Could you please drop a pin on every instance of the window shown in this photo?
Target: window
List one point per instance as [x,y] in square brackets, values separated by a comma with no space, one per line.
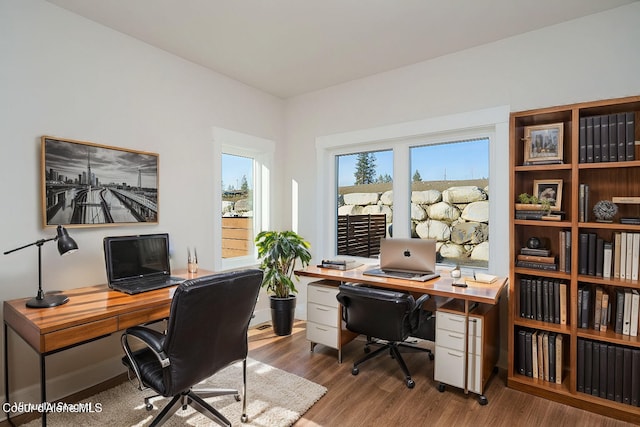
[241,200]
[237,206]
[364,213]
[452,151]
[450,199]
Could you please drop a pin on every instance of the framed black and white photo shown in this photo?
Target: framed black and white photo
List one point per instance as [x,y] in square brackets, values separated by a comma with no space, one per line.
[549,190]
[543,144]
[86,184]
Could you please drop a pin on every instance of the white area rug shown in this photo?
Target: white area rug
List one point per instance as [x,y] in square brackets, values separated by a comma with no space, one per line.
[274,398]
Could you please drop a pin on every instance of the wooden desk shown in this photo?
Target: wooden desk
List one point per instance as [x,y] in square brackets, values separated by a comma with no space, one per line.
[92,312]
[475,292]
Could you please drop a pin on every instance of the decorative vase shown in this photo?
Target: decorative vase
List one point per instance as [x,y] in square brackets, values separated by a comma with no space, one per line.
[282,314]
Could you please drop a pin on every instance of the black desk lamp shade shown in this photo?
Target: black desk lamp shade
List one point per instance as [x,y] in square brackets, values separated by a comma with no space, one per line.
[66,245]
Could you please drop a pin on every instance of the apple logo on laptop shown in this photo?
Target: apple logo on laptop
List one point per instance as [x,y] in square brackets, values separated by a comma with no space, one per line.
[407,253]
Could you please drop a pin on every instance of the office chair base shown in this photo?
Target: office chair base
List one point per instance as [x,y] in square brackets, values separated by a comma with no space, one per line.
[189,398]
[393,352]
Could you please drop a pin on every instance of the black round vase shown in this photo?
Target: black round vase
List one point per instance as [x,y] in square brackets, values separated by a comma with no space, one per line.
[282,314]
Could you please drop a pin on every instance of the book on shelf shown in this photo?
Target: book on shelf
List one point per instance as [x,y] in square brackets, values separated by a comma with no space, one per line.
[626,313]
[619,311]
[622,137]
[582,140]
[580,365]
[630,135]
[635,256]
[617,241]
[588,365]
[635,385]
[535,251]
[635,308]
[604,369]
[619,375]
[627,377]
[596,140]
[604,312]
[559,357]
[563,303]
[528,361]
[611,371]
[630,220]
[552,357]
[622,200]
[606,260]
[536,265]
[521,351]
[540,337]
[534,354]
[613,138]
[629,253]
[589,136]
[591,254]
[597,312]
[537,258]
[595,369]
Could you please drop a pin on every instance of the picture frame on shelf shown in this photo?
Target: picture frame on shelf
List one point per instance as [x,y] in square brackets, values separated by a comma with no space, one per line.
[89,185]
[549,190]
[543,144]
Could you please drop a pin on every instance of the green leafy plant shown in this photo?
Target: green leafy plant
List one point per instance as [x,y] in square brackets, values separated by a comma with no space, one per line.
[279,251]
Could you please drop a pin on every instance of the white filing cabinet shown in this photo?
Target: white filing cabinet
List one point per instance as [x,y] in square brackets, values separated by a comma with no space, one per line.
[482,350]
[324,319]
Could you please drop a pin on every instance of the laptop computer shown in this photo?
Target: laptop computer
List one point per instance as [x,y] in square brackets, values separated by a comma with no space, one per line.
[138,263]
[410,259]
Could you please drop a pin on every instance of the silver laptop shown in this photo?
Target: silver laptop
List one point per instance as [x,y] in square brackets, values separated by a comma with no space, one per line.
[139,263]
[411,259]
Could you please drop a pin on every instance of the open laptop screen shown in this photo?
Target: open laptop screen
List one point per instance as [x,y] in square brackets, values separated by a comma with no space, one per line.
[138,256]
[409,255]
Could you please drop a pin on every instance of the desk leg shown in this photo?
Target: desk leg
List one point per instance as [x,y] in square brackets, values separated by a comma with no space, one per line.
[466,346]
[6,372]
[43,387]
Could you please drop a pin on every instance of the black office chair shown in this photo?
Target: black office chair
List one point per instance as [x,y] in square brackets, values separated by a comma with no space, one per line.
[206,332]
[383,314]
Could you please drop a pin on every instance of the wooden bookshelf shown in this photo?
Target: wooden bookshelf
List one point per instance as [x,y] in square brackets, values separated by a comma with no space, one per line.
[620,178]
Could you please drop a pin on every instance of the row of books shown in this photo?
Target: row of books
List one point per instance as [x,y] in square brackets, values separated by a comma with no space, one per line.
[583,203]
[543,299]
[607,138]
[540,355]
[605,309]
[538,258]
[538,214]
[619,259]
[609,371]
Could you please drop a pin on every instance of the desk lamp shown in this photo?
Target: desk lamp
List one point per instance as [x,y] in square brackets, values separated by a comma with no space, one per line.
[66,245]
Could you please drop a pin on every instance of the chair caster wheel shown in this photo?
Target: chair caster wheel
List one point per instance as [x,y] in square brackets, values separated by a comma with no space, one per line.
[431,356]
[237,396]
[441,388]
[355,371]
[148,406]
[411,383]
[482,400]
[244,418]
[367,349]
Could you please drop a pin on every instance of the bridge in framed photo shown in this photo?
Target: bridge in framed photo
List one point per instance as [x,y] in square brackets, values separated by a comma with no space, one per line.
[87,184]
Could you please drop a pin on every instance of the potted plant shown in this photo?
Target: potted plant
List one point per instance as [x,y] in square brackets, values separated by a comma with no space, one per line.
[279,251]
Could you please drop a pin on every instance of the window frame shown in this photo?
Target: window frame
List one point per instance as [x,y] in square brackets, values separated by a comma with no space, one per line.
[262,151]
[489,123]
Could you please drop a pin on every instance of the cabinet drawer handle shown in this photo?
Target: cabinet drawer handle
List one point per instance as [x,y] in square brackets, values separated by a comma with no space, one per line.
[453,354]
[322,309]
[455,336]
[454,319]
[322,329]
[324,291]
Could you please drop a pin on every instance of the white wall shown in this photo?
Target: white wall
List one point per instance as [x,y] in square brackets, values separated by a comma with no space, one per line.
[596,57]
[63,75]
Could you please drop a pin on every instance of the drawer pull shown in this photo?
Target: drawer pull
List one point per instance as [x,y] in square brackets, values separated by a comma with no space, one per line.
[455,336]
[322,309]
[453,354]
[322,329]
[324,291]
[455,319]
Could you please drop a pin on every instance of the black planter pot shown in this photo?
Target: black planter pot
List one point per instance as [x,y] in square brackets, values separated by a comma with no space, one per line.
[282,314]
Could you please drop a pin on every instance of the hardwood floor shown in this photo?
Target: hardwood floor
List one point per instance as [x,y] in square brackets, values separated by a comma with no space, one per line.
[377,396]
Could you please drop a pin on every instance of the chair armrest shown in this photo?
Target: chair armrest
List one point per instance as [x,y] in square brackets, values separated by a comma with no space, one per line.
[153,339]
[416,316]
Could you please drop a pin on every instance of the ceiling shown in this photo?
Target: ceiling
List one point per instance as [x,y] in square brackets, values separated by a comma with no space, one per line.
[291,47]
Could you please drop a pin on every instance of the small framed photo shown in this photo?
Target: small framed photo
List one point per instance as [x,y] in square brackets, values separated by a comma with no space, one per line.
[543,144]
[549,190]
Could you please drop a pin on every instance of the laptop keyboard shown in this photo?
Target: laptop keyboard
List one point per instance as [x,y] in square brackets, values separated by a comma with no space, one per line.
[143,285]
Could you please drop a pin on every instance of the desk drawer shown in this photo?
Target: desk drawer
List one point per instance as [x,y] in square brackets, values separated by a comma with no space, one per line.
[449,366]
[143,316]
[325,295]
[322,334]
[455,340]
[450,321]
[77,334]
[322,314]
